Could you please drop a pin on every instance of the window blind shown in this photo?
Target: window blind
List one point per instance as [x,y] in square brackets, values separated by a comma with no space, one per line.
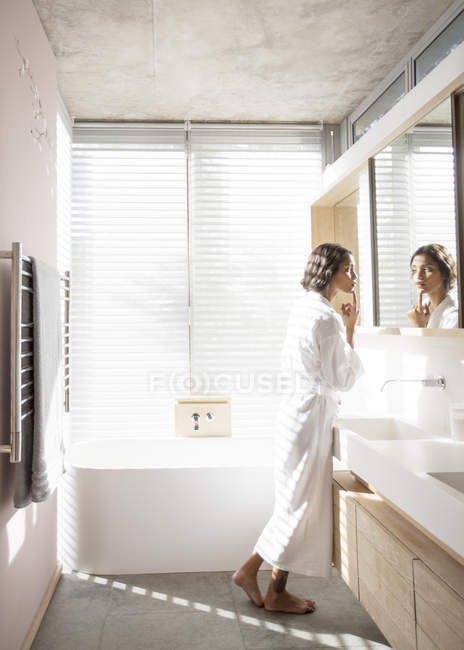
[366,307]
[392,188]
[63,187]
[63,228]
[250,196]
[130,282]
[433,187]
[415,206]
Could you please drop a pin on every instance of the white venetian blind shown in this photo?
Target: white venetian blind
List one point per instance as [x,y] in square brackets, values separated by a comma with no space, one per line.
[415,206]
[63,222]
[130,284]
[366,308]
[433,187]
[251,191]
[63,187]
[392,189]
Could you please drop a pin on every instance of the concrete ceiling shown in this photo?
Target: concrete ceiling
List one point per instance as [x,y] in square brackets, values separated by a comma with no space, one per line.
[228,60]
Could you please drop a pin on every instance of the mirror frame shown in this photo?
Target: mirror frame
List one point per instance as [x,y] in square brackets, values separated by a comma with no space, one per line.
[457,121]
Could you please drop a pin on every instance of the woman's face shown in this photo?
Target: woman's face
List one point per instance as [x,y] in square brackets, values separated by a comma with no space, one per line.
[345,278]
[426,275]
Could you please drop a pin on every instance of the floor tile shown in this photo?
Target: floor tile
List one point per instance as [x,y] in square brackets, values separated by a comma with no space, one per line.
[338,622]
[198,611]
[171,631]
[75,617]
[173,592]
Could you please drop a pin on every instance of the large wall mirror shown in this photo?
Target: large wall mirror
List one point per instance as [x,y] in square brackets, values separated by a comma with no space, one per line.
[413,204]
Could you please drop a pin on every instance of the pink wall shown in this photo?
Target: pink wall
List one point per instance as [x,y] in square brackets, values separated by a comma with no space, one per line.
[27,214]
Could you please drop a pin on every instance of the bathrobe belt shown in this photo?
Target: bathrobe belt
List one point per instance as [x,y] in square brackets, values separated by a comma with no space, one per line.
[306,389]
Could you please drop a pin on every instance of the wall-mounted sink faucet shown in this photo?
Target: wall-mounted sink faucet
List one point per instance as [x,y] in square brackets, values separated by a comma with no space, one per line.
[195,418]
[428,382]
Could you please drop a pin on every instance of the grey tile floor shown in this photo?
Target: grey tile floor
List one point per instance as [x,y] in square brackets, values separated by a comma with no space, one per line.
[198,611]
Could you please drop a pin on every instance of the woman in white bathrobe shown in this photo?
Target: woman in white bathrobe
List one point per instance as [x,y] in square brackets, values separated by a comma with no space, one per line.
[318,353]
[433,271]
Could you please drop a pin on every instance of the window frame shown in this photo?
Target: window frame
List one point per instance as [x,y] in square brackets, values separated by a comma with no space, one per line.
[406,65]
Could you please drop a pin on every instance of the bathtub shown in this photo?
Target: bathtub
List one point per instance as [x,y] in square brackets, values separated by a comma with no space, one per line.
[164,505]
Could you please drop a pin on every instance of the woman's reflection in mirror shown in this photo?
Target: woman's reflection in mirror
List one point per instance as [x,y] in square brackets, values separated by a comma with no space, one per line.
[433,271]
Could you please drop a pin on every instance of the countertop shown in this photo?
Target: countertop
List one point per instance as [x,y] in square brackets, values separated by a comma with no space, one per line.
[400,471]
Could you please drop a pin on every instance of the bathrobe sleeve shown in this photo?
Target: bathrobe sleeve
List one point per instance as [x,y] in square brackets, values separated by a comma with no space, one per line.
[340,364]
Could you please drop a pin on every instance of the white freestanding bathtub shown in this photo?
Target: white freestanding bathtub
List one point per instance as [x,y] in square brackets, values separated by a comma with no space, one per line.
[164,505]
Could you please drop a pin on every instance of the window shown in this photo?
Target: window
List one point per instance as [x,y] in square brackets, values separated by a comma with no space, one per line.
[63,187]
[379,107]
[187,251]
[129,278]
[250,236]
[438,49]
[419,61]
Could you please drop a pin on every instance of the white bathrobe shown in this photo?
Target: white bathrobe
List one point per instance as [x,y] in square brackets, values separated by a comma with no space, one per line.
[298,537]
[445,315]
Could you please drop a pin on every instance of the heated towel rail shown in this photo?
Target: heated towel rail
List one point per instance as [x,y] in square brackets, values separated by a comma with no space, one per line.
[21,346]
[66,296]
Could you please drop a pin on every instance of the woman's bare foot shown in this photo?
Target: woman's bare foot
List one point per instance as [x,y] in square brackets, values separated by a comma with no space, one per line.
[288,603]
[249,584]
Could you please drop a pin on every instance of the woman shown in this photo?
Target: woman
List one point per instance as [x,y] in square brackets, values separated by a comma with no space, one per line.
[433,271]
[319,354]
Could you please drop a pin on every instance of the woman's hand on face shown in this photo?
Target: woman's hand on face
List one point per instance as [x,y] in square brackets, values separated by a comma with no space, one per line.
[420,313]
[350,312]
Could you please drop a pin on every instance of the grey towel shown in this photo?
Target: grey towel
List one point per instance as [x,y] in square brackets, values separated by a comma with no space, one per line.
[42,464]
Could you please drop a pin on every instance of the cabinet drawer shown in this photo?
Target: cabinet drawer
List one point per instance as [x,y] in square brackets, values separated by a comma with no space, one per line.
[377,572]
[342,522]
[423,641]
[388,546]
[345,556]
[401,637]
[344,503]
[391,612]
[439,609]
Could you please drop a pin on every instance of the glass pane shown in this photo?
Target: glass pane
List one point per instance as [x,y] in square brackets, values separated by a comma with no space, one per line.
[443,45]
[377,109]
[414,206]
[250,192]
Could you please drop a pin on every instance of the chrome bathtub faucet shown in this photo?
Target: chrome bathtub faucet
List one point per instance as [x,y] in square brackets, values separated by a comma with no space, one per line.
[427,382]
[195,418]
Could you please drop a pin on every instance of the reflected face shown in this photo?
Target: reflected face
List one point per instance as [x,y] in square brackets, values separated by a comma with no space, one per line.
[426,275]
[345,278]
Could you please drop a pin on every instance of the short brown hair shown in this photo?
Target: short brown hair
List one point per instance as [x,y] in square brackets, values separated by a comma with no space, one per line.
[322,265]
[443,258]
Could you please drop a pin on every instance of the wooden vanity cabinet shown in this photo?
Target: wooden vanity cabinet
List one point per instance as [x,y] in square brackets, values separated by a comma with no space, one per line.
[439,611]
[411,587]
[344,540]
[386,587]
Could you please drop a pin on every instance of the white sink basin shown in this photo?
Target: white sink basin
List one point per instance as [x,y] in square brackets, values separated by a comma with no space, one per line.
[453,479]
[381,428]
[421,475]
